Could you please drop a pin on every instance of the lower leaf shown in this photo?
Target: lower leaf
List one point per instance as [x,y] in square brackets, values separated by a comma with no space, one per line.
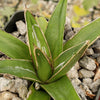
[37,95]
[61,89]
[20,68]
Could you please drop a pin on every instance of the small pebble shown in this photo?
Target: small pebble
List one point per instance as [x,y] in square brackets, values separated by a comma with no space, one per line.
[6,84]
[80,92]
[76,81]
[87,81]
[8,96]
[21,27]
[89,51]
[76,66]
[97,49]
[22,38]
[96,46]
[72,73]
[16,34]
[21,87]
[87,63]
[95,85]
[83,73]
[68,33]
[86,88]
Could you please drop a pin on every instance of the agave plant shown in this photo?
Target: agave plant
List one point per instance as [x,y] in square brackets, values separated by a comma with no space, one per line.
[46,60]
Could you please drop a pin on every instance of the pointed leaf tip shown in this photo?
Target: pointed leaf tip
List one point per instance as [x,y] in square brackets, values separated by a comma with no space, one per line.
[35,36]
[55,29]
[44,69]
[13,47]
[64,62]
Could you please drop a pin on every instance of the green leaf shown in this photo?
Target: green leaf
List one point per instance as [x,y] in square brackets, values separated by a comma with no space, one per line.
[36,37]
[37,95]
[90,32]
[42,23]
[44,70]
[62,89]
[66,60]
[13,47]
[20,68]
[55,29]
[90,3]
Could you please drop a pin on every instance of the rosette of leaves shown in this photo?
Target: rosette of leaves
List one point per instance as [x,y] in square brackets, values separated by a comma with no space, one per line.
[46,60]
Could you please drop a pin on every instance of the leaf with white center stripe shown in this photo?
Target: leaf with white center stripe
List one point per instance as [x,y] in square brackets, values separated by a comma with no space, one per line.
[64,62]
[20,68]
[35,36]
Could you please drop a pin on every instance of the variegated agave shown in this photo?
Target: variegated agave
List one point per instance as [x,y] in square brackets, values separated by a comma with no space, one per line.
[45,61]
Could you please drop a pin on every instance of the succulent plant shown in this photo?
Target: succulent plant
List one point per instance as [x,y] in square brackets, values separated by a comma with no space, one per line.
[46,60]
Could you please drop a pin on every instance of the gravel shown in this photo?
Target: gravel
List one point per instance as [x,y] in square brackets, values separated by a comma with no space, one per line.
[8,96]
[17,85]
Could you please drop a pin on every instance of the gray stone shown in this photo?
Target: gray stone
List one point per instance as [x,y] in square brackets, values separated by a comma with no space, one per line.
[6,84]
[89,51]
[83,73]
[68,33]
[72,73]
[87,81]
[80,92]
[95,55]
[16,85]
[76,81]
[95,85]
[21,27]
[37,86]
[97,49]
[21,87]
[87,63]
[76,66]
[8,96]
[86,88]
[22,38]
[96,46]
[16,34]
